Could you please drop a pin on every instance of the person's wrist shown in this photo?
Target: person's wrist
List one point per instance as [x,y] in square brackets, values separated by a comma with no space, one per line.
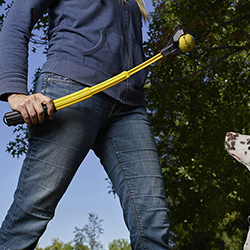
[12,95]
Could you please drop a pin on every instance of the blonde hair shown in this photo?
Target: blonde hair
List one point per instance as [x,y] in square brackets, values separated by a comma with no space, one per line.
[142,7]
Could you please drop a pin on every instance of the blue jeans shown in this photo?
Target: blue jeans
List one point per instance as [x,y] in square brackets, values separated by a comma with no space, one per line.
[120,136]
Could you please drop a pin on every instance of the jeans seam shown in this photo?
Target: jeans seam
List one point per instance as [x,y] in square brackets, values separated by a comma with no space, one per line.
[125,180]
[112,109]
[48,78]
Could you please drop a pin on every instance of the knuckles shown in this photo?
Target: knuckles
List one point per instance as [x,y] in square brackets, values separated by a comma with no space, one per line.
[32,110]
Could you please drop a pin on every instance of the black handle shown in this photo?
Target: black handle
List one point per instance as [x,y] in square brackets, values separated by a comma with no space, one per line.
[14,118]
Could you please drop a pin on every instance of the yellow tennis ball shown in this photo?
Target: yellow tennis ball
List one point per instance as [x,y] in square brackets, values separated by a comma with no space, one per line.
[186,43]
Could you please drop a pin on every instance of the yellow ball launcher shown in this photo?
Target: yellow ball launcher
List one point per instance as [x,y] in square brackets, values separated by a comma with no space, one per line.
[182,40]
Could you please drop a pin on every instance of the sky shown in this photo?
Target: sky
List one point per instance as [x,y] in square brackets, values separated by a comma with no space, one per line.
[88,192]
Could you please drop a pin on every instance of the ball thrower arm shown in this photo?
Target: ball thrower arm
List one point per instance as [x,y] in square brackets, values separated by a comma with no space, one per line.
[182,40]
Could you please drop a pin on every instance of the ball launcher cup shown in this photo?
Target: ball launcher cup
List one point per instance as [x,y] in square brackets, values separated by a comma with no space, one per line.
[181,41]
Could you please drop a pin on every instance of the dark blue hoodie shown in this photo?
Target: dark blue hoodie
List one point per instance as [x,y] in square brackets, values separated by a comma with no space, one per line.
[89,42]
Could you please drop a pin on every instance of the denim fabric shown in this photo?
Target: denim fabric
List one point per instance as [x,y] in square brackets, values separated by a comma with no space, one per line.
[120,136]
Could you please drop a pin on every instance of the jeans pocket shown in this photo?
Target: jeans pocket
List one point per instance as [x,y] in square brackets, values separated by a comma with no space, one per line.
[56,86]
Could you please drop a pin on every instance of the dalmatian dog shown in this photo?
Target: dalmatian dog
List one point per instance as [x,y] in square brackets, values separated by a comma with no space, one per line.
[238,146]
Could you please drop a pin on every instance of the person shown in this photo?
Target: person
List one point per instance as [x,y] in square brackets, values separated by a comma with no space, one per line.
[89,42]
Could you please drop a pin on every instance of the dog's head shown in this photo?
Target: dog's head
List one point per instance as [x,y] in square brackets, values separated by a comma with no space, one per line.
[238,146]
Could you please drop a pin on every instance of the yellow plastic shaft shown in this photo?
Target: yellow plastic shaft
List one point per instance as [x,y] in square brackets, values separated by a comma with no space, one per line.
[88,92]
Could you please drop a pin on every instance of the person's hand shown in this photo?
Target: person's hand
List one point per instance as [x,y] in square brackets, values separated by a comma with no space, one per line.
[30,106]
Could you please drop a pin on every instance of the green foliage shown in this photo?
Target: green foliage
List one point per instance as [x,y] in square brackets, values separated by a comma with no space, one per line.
[120,244]
[90,233]
[81,247]
[57,245]
[193,100]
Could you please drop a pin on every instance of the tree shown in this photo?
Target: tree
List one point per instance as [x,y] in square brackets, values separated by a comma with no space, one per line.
[193,100]
[89,233]
[120,244]
[58,245]
[81,247]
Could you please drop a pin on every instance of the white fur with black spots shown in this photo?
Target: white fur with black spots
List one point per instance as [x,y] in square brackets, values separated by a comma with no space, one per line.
[238,146]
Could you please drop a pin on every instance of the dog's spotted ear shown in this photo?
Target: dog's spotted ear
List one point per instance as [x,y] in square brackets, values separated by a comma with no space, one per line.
[238,146]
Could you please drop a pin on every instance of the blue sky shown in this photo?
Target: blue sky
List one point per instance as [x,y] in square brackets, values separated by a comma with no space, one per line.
[88,192]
